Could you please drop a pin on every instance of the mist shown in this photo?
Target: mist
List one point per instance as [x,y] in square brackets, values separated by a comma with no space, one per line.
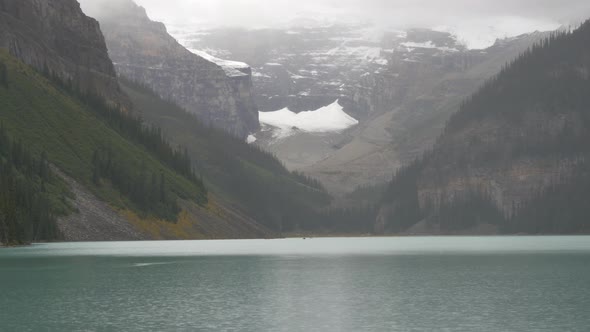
[393,13]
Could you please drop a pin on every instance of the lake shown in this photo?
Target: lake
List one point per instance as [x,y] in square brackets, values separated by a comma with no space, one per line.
[333,284]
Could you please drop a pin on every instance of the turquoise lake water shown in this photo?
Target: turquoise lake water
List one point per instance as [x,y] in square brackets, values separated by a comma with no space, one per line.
[336,284]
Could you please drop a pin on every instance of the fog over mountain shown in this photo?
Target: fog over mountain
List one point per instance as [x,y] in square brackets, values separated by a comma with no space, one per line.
[401,13]
[477,23]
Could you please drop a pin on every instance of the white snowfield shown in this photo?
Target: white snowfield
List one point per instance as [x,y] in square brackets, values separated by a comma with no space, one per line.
[285,123]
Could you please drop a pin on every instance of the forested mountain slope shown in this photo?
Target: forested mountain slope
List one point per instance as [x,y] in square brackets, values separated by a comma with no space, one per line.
[515,156]
[110,153]
[244,175]
[31,196]
[78,166]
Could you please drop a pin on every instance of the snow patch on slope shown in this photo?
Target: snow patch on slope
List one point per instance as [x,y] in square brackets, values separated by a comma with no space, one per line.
[251,139]
[231,68]
[285,123]
[428,44]
[411,46]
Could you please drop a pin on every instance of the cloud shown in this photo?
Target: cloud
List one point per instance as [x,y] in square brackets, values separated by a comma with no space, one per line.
[474,17]
[426,13]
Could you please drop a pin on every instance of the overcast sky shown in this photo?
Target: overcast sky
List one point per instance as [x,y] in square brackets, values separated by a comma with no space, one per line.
[400,13]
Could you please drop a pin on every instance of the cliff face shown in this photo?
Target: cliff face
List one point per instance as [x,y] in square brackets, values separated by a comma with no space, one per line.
[299,67]
[143,51]
[515,155]
[56,36]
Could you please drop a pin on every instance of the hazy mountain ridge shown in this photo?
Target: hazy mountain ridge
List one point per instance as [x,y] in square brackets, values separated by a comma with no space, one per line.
[514,156]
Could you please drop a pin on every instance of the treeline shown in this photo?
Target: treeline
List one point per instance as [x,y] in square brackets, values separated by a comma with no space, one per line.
[368,193]
[468,210]
[561,208]
[403,191]
[3,74]
[308,181]
[347,220]
[28,191]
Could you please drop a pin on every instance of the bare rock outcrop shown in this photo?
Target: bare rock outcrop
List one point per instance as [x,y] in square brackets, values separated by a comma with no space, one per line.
[94,220]
[143,51]
[57,37]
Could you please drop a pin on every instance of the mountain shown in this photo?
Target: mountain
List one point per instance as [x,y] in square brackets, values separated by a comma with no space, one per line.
[429,73]
[219,93]
[401,87]
[241,176]
[122,183]
[75,165]
[514,159]
[302,68]
[56,37]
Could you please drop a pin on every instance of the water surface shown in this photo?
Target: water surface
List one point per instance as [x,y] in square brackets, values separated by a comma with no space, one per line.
[340,284]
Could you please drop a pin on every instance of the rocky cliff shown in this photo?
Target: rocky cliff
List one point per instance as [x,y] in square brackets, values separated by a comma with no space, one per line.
[56,36]
[142,50]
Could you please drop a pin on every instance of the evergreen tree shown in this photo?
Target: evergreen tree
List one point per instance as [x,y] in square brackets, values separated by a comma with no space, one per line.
[26,211]
[151,197]
[3,74]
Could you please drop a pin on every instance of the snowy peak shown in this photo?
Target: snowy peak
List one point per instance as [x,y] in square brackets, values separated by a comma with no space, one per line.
[326,60]
[327,119]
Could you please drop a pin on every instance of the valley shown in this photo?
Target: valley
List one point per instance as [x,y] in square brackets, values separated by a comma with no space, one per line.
[310,165]
[180,131]
[402,87]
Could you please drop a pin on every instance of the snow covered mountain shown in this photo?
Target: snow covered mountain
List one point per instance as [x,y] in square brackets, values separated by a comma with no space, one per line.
[302,68]
[400,86]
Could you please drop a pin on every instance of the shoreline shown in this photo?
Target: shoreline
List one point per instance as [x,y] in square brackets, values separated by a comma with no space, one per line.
[312,236]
